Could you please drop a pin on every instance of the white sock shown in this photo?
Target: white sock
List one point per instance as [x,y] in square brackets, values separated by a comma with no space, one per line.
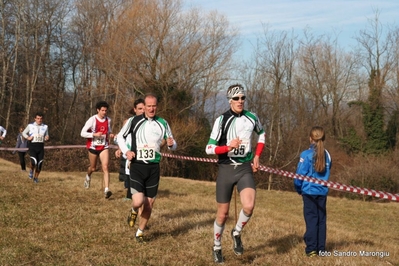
[87,177]
[217,247]
[241,222]
[217,235]
[106,189]
[139,232]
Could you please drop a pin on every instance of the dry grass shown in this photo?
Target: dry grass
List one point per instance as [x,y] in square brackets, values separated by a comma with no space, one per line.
[58,222]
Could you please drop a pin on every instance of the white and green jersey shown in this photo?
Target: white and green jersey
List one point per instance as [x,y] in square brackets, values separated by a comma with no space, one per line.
[229,126]
[146,136]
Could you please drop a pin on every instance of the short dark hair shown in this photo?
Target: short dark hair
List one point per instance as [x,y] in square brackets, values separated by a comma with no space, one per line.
[101,104]
[137,102]
[39,114]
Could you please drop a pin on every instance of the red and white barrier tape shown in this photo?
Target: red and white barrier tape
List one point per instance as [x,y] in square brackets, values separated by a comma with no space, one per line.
[45,147]
[333,185]
[52,147]
[330,184]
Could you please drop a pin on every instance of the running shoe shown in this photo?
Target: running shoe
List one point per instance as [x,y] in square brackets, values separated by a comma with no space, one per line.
[87,182]
[217,255]
[311,254]
[237,244]
[131,219]
[107,194]
[36,180]
[30,174]
[140,239]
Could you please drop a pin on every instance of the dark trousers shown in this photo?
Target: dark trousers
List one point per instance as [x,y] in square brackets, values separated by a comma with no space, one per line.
[36,153]
[21,156]
[315,213]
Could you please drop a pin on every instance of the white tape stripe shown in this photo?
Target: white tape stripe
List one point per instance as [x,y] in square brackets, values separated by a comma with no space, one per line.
[330,184]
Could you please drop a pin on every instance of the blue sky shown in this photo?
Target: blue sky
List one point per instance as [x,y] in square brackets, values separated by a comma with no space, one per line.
[344,18]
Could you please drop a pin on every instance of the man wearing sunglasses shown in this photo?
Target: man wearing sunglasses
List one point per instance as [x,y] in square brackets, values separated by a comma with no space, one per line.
[230,139]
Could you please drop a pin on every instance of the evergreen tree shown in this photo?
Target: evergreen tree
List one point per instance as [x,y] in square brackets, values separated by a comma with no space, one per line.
[376,139]
[392,129]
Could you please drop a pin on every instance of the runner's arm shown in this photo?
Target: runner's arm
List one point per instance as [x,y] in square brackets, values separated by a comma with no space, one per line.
[85,130]
[121,137]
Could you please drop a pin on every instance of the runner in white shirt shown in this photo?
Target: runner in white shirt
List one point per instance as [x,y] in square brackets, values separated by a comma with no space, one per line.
[147,131]
[230,139]
[3,134]
[36,133]
[124,171]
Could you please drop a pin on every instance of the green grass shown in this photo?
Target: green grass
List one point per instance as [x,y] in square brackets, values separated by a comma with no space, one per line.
[58,222]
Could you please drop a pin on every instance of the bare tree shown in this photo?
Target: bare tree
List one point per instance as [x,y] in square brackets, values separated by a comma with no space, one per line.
[9,38]
[270,90]
[377,55]
[181,56]
[328,76]
[90,24]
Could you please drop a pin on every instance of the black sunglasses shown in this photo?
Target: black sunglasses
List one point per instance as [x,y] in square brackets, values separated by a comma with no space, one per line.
[237,98]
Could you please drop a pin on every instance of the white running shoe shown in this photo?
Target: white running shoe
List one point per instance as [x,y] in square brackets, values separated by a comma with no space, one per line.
[87,182]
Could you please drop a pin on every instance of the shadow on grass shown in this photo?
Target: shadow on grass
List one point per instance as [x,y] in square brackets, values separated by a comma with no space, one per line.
[167,194]
[285,244]
[186,226]
[342,244]
[280,245]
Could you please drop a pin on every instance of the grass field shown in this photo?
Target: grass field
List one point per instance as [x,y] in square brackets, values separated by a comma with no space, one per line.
[58,222]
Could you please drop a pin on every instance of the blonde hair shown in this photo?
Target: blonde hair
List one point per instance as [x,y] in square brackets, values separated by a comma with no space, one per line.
[318,136]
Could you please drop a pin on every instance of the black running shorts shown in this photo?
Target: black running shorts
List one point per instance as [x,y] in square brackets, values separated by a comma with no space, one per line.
[145,178]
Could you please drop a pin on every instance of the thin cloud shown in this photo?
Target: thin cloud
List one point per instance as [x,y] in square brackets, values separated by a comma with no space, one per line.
[249,16]
[339,18]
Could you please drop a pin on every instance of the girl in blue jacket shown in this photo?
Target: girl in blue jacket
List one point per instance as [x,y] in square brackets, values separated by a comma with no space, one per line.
[314,162]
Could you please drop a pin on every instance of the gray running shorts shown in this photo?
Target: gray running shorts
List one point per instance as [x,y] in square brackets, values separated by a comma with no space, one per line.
[231,175]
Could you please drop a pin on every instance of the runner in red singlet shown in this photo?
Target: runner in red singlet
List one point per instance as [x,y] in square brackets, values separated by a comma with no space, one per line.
[97,131]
